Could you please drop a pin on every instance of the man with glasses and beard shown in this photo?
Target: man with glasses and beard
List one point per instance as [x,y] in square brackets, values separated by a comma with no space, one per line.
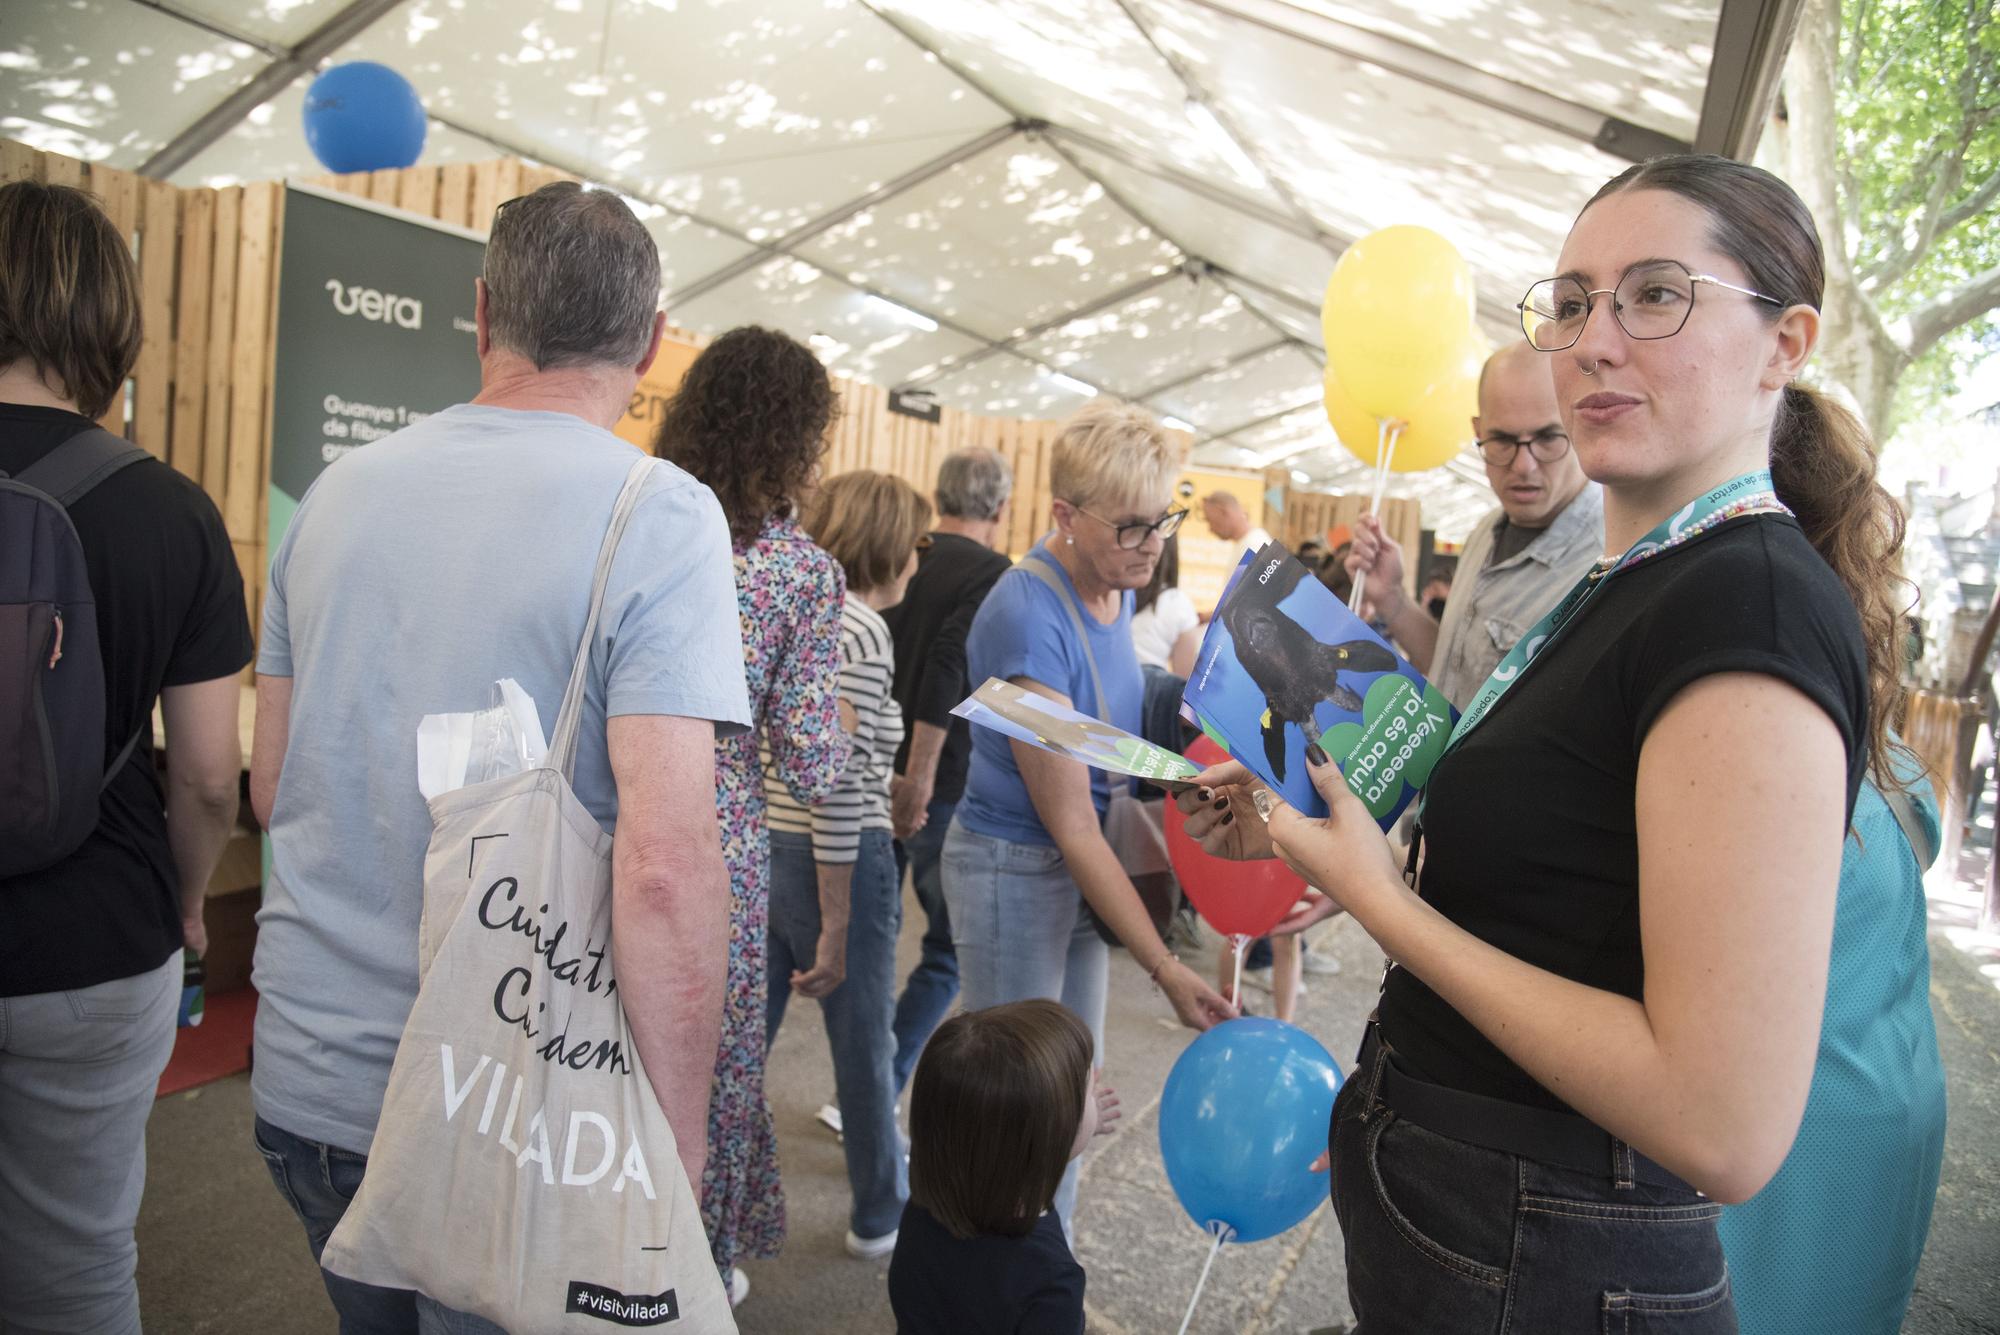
[1546,532]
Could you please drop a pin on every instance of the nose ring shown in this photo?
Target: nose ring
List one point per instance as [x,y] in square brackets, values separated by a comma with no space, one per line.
[1588,370]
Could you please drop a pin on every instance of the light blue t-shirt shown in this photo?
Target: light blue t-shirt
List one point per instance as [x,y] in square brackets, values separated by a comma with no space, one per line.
[1023,630]
[416,573]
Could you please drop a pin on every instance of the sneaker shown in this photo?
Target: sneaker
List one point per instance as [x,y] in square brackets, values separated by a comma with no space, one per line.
[1312,961]
[828,1116]
[870,1249]
[739,1286]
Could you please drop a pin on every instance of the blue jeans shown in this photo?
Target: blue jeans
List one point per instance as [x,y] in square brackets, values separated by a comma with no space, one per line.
[859,1013]
[1449,1238]
[1018,923]
[318,1181]
[933,985]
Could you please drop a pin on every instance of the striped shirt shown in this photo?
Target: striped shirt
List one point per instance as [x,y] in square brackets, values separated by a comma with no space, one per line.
[860,801]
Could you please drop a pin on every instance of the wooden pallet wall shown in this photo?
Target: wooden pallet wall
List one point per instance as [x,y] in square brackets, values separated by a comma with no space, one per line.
[1311,514]
[199,395]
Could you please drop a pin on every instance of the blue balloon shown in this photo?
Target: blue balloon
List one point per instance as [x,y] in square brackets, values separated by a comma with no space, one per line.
[1242,1118]
[364,117]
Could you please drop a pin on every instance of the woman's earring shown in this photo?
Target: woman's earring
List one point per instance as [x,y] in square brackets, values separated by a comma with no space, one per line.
[1070,541]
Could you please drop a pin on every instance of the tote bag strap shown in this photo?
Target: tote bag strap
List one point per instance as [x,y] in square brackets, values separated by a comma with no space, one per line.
[569,719]
[1042,571]
[1904,808]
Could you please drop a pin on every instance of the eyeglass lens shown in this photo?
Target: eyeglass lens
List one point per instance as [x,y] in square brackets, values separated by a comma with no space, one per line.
[1651,301]
[1133,536]
[1547,446]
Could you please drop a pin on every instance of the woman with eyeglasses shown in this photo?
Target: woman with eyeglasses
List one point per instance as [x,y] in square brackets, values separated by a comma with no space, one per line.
[1028,872]
[1603,1009]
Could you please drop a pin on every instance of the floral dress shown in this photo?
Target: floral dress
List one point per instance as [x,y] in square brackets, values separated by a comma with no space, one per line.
[789,595]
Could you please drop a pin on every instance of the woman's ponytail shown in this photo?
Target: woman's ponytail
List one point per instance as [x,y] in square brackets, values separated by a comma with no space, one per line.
[1823,464]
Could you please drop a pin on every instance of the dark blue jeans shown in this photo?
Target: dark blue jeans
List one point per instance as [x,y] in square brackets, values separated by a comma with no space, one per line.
[1444,1237]
[933,985]
[318,1182]
[857,1013]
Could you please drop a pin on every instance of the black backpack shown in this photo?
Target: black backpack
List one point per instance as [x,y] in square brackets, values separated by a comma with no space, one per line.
[52,740]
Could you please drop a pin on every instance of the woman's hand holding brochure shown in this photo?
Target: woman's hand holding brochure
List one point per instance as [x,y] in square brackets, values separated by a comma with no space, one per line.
[1342,855]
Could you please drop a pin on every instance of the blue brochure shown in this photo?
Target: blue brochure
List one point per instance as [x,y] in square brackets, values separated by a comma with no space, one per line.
[1285,665]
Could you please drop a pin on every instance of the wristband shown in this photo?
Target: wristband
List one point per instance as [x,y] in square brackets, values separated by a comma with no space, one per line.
[1154,974]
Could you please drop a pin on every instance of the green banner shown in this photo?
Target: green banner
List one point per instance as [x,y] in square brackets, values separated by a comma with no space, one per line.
[375,331]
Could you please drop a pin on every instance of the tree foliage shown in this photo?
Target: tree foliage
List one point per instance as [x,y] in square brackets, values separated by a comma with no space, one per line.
[1894,139]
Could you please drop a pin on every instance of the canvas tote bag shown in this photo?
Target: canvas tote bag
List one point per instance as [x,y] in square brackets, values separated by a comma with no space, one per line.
[522,1169]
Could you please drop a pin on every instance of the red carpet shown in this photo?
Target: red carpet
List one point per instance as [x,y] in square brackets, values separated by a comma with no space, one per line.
[219,1046]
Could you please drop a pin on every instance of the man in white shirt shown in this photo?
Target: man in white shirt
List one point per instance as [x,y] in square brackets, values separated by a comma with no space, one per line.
[1228,521]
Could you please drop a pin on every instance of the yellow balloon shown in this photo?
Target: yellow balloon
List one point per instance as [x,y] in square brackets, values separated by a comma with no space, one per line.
[1437,426]
[1355,427]
[1396,308]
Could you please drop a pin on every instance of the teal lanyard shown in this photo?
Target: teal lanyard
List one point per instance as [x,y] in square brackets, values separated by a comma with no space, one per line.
[1750,494]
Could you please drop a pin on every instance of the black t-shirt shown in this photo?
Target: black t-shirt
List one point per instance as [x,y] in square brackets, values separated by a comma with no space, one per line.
[1510,540]
[1530,833]
[942,1285]
[929,627]
[170,612]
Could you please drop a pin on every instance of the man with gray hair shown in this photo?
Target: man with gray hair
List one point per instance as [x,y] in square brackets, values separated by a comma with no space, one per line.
[929,628]
[418,571]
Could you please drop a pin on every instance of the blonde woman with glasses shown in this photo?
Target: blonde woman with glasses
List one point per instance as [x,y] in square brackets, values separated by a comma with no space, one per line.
[1028,873]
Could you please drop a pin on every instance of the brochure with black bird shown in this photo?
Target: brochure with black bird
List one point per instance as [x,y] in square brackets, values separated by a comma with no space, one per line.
[1285,666]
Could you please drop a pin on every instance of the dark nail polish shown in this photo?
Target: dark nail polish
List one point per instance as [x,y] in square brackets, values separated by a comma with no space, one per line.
[1228,817]
[1314,756]
[1221,804]
[1206,794]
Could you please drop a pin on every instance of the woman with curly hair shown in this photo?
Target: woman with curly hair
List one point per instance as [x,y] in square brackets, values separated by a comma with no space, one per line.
[750,421]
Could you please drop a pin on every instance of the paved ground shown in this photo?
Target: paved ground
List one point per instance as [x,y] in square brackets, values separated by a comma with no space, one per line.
[220,1253]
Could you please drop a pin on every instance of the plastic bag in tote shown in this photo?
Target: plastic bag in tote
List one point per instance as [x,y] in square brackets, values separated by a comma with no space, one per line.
[522,1169]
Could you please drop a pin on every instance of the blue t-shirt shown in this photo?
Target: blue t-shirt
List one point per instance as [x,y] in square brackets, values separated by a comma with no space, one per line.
[417,572]
[1024,630]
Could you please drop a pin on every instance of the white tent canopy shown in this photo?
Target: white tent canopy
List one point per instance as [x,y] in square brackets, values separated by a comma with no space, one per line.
[1013,204]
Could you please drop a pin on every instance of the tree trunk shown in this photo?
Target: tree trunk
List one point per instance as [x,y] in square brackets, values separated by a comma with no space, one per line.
[1855,350]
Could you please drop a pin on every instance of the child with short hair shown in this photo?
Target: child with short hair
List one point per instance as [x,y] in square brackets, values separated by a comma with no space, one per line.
[1002,1100]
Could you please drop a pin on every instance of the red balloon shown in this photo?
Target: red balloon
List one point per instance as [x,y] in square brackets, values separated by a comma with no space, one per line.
[1237,898]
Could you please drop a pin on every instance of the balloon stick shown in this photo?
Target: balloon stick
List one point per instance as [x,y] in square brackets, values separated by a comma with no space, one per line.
[1388,431]
[1239,943]
[1223,1233]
